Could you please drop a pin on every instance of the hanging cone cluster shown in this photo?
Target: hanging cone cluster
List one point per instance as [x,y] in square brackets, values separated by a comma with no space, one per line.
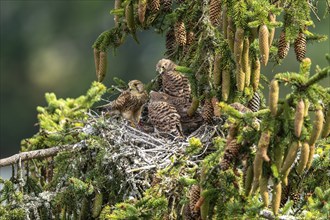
[167,5]
[231,152]
[180,33]
[300,46]
[154,5]
[207,111]
[215,12]
[283,46]
[254,103]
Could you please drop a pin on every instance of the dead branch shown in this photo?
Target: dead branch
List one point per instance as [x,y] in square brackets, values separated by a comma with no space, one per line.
[35,154]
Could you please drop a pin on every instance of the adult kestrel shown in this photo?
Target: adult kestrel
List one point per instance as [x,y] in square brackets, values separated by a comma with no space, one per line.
[129,103]
[173,82]
[164,116]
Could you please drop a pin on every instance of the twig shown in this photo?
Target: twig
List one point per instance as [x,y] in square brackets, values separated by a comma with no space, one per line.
[318,76]
[35,154]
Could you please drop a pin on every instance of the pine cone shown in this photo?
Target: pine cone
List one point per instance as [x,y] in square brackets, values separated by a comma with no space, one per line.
[272,19]
[255,74]
[180,33]
[300,46]
[142,8]
[170,42]
[264,44]
[102,66]
[154,5]
[225,88]
[190,40]
[187,213]
[283,46]
[207,112]
[231,152]
[295,197]
[254,103]
[215,12]
[194,195]
[167,5]
[285,195]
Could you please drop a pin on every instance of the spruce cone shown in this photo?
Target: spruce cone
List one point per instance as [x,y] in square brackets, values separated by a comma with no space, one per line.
[170,42]
[264,44]
[154,5]
[231,152]
[299,118]
[238,45]
[272,19]
[189,41]
[300,46]
[187,213]
[283,46]
[96,60]
[180,33]
[167,5]
[231,34]
[215,12]
[194,195]
[224,22]
[142,8]
[255,74]
[216,108]
[116,17]
[254,103]
[102,66]
[207,112]
[225,89]
[246,63]
[240,78]
[295,197]
[216,70]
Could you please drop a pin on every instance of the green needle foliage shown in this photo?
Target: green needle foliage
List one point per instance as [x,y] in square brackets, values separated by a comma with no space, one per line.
[271,161]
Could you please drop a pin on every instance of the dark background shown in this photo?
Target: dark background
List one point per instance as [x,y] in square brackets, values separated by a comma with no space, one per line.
[46,47]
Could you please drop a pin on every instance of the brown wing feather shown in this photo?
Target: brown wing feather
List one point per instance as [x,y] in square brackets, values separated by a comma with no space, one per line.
[164,117]
[172,83]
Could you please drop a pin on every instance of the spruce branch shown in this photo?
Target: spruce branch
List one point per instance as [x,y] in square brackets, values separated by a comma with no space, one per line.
[318,76]
[35,154]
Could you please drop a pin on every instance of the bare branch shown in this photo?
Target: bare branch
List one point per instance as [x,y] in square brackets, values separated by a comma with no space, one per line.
[36,154]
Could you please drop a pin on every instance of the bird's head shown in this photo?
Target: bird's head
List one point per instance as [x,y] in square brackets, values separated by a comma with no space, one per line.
[165,65]
[158,96]
[136,86]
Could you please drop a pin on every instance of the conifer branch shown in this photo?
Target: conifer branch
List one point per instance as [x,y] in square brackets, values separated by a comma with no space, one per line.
[35,154]
[318,76]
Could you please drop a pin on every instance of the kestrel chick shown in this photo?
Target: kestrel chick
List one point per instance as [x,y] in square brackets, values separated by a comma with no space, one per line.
[173,82]
[163,116]
[129,103]
[179,103]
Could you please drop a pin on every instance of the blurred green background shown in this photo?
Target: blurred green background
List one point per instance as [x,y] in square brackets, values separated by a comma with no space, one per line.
[46,47]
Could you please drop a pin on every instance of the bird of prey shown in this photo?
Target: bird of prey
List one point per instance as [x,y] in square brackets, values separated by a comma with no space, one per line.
[164,116]
[173,82]
[180,103]
[129,103]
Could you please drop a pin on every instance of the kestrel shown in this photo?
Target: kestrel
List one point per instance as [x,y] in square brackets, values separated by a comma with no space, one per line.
[173,82]
[180,103]
[164,116]
[129,103]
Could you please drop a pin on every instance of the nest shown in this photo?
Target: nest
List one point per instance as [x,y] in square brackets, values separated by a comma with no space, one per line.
[137,155]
